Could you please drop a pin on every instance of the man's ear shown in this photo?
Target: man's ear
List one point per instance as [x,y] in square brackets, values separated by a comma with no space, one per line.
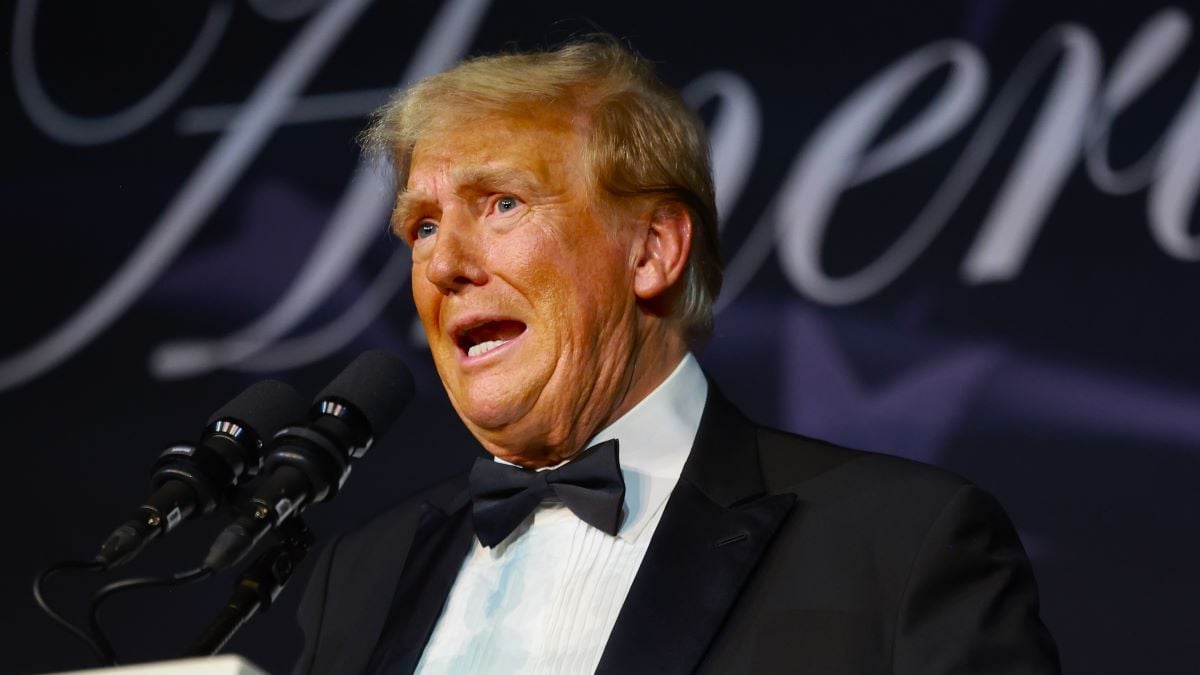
[664,252]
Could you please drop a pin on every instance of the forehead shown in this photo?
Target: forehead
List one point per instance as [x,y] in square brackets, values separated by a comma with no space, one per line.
[543,147]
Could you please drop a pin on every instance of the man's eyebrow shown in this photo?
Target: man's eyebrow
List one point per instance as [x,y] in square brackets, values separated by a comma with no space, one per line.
[407,203]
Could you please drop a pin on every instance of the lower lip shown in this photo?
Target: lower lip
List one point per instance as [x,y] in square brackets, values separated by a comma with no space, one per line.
[472,360]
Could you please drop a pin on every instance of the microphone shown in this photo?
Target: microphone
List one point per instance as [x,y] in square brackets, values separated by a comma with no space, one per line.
[309,463]
[191,479]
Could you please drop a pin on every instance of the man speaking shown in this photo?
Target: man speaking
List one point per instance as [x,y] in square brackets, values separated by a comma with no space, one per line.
[559,206]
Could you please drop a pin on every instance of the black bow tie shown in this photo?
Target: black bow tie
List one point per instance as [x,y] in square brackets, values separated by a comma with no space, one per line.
[590,485]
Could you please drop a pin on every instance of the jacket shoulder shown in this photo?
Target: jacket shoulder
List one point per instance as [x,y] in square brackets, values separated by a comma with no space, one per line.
[803,465]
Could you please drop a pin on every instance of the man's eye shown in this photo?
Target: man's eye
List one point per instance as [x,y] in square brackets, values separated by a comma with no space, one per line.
[426,229]
[506,204]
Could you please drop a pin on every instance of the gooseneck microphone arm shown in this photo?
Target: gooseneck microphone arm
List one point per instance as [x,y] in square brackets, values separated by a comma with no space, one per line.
[189,479]
[257,587]
[307,464]
[296,464]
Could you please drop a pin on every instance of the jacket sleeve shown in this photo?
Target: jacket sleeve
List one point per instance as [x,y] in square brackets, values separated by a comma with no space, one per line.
[971,602]
[311,612]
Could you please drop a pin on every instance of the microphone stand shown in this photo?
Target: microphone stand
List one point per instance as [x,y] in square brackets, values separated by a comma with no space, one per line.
[258,586]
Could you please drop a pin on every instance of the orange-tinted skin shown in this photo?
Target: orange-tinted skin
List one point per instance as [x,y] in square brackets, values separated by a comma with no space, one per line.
[505,226]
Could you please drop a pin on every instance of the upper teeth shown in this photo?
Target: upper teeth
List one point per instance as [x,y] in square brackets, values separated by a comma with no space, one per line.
[484,347]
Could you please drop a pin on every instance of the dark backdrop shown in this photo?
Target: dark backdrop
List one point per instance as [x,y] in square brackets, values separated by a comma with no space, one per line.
[961,231]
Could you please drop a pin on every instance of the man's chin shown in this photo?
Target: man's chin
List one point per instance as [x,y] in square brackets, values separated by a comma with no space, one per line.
[508,435]
[491,419]
[501,409]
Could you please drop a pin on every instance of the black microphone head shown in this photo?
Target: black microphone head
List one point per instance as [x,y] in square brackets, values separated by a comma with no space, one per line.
[263,408]
[377,384]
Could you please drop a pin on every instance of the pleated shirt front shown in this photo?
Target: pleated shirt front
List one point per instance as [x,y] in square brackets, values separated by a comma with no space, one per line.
[546,598]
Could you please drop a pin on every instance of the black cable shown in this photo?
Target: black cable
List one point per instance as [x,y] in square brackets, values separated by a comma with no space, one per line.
[39,598]
[179,579]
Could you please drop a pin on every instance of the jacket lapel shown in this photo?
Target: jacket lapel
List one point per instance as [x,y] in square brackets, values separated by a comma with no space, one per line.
[437,554]
[381,564]
[716,526]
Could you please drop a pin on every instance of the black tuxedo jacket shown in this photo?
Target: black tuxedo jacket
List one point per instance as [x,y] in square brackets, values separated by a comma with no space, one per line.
[775,553]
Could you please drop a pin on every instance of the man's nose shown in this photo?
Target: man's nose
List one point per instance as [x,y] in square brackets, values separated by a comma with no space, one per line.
[456,261]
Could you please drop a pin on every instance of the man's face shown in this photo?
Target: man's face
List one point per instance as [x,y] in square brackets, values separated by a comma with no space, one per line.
[524,283]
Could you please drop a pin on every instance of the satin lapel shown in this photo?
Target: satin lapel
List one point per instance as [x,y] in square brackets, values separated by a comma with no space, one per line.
[368,569]
[715,528]
[433,563]
[699,559]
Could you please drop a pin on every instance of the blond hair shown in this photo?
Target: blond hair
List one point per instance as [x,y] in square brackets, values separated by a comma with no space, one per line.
[642,139]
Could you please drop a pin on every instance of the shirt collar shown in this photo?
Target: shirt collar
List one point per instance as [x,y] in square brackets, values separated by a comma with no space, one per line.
[654,439]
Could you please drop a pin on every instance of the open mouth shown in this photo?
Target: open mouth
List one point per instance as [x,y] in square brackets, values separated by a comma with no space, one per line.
[483,338]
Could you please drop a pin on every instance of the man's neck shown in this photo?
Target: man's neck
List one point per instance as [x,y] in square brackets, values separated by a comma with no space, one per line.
[658,355]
